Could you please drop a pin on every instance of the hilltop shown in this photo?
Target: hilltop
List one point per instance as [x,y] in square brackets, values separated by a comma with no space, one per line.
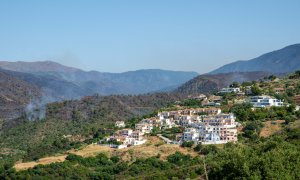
[284,60]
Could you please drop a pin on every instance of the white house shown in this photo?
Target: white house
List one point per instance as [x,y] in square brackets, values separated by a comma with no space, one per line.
[124,138]
[218,129]
[214,104]
[125,132]
[155,122]
[190,134]
[185,120]
[208,111]
[211,137]
[163,115]
[167,123]
[120,124]
[264,101]
[138,138]
[229,90]
[144,127]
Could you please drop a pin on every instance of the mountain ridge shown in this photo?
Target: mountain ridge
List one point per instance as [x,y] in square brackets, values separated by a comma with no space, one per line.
[284,60]
[94,82]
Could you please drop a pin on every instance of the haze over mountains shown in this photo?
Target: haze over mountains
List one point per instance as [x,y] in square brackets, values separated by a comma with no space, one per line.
[28,86]
[78,83]
[25,86]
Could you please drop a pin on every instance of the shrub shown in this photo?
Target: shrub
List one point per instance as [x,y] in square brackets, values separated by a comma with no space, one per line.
[187,144]
[198,148]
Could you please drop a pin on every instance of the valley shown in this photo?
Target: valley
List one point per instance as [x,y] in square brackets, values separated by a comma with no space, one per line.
[44,127]
[87,121]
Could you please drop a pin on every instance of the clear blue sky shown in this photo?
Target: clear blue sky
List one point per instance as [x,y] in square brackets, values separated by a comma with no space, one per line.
[117,36]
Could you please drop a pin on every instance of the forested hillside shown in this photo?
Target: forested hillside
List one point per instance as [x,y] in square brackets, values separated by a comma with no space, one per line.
[15,95]
[81,119]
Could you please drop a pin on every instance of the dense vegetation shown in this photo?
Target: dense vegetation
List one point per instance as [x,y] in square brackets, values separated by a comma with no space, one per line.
[275,158]
[244,112]
[70,124]
[102,167]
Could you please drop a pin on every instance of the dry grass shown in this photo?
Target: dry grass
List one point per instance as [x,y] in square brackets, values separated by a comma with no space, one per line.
[270,128]
[43,161]
[153,147]
[92,150]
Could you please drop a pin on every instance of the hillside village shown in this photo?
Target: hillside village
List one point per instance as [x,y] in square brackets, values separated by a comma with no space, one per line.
[203,124]
[200,120]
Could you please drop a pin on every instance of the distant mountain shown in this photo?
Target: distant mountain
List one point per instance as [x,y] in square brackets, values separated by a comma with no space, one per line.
[26,87]
[211,83]
[91,82]
[281,61]
[38,66]
[53,88]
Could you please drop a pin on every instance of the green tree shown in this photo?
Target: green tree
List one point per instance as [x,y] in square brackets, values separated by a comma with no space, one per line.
[235,85]
[256,90]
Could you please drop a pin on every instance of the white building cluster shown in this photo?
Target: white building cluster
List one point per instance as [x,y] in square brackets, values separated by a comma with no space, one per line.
[212,129]
[201,125]
[205,125]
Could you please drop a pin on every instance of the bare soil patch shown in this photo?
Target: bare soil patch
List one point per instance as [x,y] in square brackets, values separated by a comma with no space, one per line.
[271,127]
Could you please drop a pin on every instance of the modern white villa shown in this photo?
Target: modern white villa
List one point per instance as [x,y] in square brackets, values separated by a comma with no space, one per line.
[265,101]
